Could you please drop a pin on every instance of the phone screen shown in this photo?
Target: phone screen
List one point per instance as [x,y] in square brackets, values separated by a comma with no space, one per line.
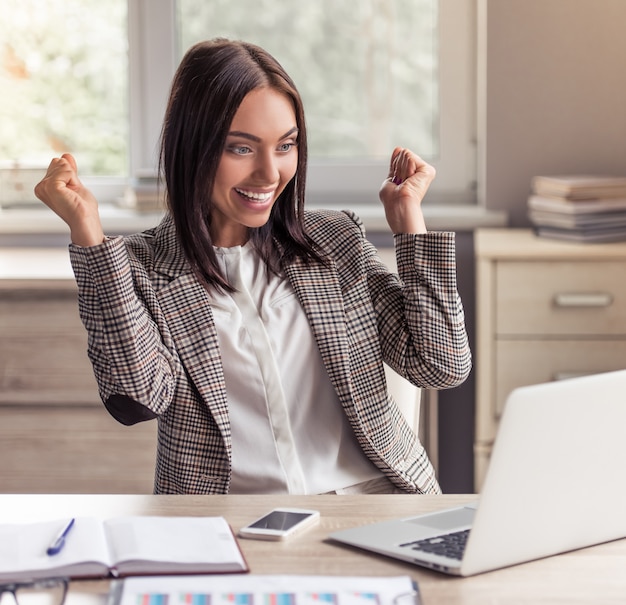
[280,520]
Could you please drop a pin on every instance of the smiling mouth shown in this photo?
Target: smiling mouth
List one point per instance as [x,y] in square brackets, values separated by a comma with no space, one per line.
[253,196]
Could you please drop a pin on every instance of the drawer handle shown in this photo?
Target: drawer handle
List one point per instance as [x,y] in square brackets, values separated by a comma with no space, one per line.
[600,299]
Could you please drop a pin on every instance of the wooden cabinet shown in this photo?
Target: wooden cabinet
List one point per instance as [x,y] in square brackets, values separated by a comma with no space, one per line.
[546,310]
[55,434]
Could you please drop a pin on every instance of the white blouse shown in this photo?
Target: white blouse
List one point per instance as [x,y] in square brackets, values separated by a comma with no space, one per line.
[289,432]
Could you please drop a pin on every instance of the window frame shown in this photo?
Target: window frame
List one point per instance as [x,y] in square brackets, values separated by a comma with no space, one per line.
[152,63]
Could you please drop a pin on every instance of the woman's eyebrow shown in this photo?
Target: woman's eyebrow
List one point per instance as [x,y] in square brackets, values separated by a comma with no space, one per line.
[252,137]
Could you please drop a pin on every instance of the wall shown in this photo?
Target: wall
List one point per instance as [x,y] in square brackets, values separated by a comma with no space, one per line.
[551,94]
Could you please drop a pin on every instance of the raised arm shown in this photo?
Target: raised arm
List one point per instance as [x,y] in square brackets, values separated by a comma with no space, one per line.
[427,341]
[403,191]
[62,191]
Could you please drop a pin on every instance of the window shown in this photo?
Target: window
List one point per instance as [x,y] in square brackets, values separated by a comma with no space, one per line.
[362,67]
[64,73]
[373,74]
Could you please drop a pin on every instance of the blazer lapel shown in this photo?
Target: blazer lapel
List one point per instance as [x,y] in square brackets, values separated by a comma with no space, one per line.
[187,309]
[319,293]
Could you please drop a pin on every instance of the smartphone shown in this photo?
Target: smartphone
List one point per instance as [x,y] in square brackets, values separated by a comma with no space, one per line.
[280,524]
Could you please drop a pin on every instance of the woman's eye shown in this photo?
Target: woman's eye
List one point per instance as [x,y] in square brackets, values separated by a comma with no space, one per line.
[286,146]
[240,149]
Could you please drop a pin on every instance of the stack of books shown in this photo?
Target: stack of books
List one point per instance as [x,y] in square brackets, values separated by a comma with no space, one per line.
[579,208]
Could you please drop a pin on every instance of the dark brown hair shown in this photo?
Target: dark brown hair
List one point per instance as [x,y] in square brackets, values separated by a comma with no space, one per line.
[211,82]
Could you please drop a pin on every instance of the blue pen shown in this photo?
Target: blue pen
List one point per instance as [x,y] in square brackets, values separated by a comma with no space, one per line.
[59,542]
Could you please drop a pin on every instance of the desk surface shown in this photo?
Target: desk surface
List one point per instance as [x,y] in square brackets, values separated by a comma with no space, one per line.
[592,575]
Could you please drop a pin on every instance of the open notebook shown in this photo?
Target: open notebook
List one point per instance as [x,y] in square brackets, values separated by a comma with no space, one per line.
[554,484]
[119,547]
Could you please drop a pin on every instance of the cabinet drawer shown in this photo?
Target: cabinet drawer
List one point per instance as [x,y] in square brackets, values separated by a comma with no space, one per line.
[47,370]
[43,349]
[525,362]
[31,311]
[79,450]
[560,298]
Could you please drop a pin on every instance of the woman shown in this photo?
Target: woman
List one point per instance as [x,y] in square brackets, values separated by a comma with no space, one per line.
[255,332]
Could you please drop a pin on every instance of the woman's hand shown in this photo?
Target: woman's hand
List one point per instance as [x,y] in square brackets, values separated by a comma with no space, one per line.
[62,191]
[403,190]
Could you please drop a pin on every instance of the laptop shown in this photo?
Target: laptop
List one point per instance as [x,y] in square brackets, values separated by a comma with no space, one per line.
[555,483]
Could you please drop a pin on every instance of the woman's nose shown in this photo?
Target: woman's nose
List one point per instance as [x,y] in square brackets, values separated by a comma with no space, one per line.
[267,169]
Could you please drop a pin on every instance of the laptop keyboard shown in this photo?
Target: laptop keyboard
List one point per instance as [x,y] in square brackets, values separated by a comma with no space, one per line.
[448,545]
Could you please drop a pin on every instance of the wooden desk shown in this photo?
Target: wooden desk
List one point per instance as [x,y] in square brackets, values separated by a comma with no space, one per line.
[592,575]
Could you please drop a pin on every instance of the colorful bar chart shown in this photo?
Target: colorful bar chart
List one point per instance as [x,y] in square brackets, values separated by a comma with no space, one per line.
[326,598]
[368,597]
[235,598]
[191,598]
[286,598]
[262,598]
[153,599]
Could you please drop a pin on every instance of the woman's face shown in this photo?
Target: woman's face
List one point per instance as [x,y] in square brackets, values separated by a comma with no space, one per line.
[259,159]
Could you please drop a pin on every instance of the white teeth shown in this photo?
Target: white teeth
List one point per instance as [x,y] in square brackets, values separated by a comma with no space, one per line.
[259,197]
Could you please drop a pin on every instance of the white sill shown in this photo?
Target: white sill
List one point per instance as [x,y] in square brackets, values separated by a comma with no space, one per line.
[37,220]
[33,221]
[438,218]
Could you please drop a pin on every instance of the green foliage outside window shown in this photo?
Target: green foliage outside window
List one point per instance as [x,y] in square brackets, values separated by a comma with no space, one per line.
[64,83]
[367,69]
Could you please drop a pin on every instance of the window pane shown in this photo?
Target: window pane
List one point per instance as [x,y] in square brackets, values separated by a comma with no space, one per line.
[64,82]
[366,69]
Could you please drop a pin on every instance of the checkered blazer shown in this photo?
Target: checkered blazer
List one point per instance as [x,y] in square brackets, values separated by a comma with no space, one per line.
[155,352]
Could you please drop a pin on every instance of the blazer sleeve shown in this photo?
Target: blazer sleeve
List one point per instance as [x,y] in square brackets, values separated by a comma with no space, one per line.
[128,344]
[419,312]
